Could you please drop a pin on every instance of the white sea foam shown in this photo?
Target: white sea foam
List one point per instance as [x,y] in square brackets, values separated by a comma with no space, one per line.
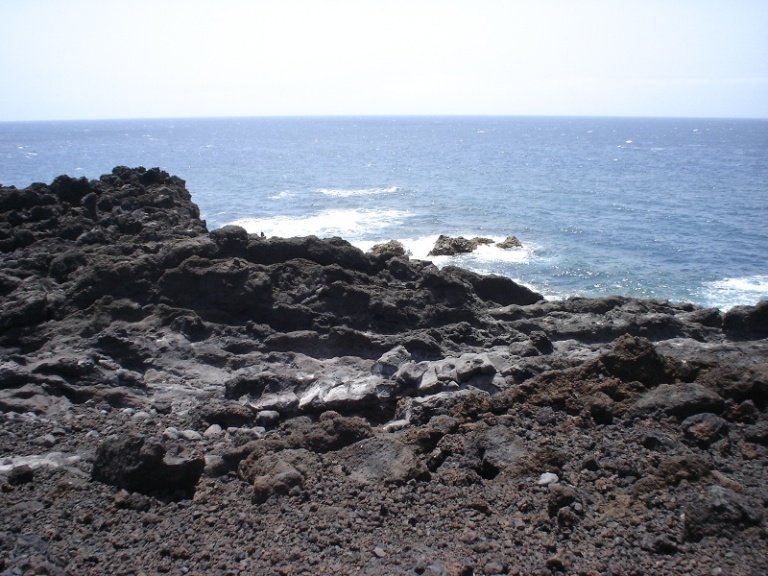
[416,248]
[492,253]
[730,292]
[349,224]
[282,195]
[349,192]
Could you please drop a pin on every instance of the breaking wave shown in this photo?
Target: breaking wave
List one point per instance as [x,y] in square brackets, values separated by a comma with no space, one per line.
[347,192]
[729,292]
[350,224]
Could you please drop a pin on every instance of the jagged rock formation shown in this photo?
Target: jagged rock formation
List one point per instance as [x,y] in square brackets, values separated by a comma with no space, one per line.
[449,246]
[360,412]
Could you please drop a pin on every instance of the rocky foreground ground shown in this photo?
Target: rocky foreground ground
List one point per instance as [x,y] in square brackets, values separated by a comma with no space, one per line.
[174,400]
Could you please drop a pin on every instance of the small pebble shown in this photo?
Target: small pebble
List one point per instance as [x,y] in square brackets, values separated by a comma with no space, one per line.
[548,478]
[48,440]
[191,435]
[267,418]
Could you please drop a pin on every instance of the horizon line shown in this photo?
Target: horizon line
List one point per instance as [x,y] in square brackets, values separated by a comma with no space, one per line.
[376,115]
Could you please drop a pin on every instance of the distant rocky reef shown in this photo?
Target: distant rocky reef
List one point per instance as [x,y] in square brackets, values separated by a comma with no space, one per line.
[450,246]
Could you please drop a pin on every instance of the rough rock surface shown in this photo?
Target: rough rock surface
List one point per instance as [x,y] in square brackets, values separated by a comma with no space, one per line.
[174,400]
[449,246]
[140,464]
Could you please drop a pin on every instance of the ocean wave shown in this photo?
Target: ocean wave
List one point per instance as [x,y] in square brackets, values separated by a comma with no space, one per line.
[349,224]
[729,292]
[349,192]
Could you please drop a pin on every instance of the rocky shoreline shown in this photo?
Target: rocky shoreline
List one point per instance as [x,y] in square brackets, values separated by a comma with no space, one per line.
[174,400]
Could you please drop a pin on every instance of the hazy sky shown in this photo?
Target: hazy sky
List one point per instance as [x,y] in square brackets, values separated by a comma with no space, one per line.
[72,59]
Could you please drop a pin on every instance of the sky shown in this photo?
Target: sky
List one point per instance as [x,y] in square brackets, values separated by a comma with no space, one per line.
[98,59]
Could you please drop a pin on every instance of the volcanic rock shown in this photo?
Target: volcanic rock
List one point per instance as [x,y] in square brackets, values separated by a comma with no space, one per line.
[747,322]
[448,246]
[720,510]
[353,413]
[681,400]
[510,242]
[140,464]
[382,459]
[389,249]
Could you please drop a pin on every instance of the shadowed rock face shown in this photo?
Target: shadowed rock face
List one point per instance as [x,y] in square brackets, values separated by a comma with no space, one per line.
[140,464]
[143,351]
[130,246]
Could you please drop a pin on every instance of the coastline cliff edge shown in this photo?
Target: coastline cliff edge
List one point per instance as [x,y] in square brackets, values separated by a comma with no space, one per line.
[174,399]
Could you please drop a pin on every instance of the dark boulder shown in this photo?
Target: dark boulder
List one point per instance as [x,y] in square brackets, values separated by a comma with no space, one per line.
[389,249]
[747,322]
[448,246]
[140,464]
[335,431]
[681,400]
[19,475]
[635,358]
[720,512]
[277,473]
[231,240]
[226,414]
[704,428]
[71,190]
[324,252]
[498,290]
[382,459]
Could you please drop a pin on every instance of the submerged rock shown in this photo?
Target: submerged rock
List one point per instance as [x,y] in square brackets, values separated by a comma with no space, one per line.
[510,242]
[448,246]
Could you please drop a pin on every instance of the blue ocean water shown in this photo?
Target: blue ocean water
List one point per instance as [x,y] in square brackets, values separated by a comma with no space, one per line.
[673,209]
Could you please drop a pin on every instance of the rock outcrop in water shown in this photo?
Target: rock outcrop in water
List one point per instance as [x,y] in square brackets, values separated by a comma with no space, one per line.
[174,399]
[449,246]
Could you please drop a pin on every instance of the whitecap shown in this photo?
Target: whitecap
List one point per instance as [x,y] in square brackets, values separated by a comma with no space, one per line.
[349,224]
[729,292]
[349,192]
[282,195]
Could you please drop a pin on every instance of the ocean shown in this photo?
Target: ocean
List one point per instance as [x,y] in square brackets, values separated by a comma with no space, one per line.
[670,209]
